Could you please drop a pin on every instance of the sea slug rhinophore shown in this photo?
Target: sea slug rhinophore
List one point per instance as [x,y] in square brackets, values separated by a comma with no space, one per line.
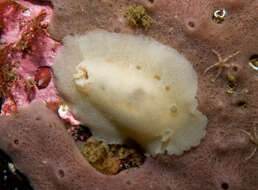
[131,87]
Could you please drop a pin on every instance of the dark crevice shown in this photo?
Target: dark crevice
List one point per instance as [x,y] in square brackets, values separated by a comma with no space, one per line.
[225,186]
[254,57]
[42,2]
[241,104]
[1,103]
[11,178]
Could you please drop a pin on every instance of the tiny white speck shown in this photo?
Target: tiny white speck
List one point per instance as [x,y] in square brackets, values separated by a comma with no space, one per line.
[11,167]
[26,12]
[62,110]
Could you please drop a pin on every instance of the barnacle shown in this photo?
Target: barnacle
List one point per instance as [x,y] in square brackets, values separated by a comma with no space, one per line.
[219,16]
[253,62]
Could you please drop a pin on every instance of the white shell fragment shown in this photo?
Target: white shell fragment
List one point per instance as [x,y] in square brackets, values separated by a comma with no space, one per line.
[131,87]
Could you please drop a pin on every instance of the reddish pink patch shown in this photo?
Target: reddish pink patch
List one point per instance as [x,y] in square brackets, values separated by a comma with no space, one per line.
[8,107]
[24,37]
[43,77]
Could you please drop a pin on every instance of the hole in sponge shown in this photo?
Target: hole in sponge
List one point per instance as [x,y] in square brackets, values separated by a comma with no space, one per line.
[128,182]
[16,141]
[38,118]
[191,24]
[225,186]
[241,104]
[60,173]
[235,68]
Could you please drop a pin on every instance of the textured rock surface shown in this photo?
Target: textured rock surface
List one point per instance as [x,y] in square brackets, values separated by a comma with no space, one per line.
[45,152]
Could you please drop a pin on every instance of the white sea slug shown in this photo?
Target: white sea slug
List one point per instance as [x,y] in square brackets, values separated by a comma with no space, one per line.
[131,87]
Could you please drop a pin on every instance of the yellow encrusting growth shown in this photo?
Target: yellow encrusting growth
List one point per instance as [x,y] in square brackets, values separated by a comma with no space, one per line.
[108,159]
[137,17]
[131,87]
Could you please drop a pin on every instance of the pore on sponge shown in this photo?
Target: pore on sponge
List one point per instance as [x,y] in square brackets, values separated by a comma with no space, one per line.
[131,87]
